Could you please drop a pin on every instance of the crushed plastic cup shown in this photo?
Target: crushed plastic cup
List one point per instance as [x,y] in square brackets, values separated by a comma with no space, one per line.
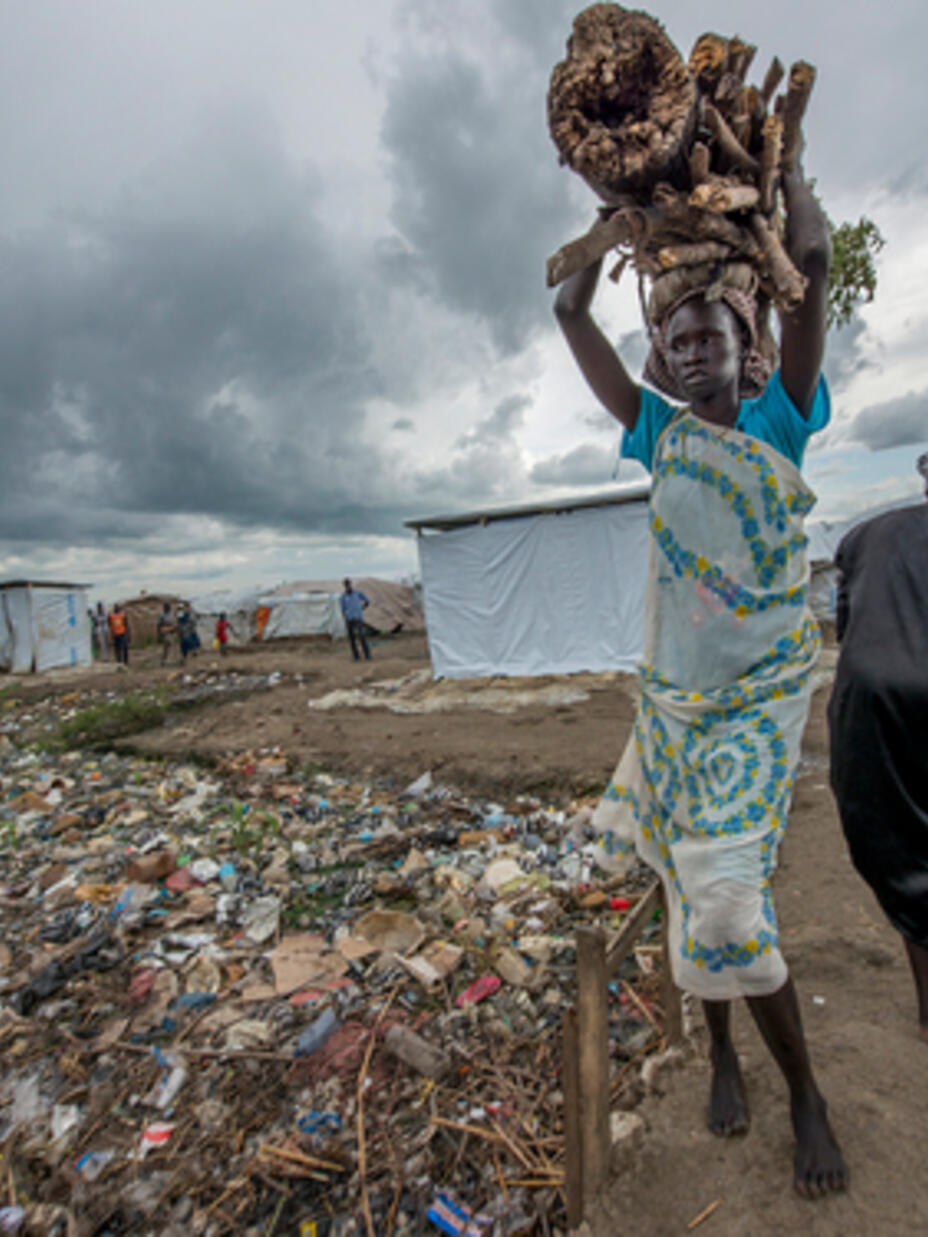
[154,1137]
[479,990]
[455,1219]
[12,1219]
[92,1163]
[318,1124]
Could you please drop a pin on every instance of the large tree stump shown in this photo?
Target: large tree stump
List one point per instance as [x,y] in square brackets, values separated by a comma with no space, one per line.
[622,106]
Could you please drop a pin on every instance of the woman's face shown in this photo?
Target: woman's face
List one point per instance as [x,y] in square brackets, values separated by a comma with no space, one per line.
[704,348]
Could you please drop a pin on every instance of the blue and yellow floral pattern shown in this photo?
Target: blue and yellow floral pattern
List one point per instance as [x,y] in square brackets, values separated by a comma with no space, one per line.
[703,789]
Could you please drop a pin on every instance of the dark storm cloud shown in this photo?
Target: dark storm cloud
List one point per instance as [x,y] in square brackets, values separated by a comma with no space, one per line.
[844,357]
[896,423]
[477,190]
[588,464]
[198,348]
[506,418]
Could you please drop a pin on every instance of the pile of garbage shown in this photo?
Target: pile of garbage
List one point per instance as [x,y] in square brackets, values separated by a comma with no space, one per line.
[255,999]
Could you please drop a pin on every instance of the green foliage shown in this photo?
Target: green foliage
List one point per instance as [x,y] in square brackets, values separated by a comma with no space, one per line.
[101,724]
[853,270]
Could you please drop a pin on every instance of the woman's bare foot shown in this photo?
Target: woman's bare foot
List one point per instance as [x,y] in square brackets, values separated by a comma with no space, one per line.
[728,1107]
[819,1165]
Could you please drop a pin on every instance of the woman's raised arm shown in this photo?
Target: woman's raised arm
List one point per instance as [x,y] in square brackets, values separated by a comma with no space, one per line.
[598,360]
[802,333]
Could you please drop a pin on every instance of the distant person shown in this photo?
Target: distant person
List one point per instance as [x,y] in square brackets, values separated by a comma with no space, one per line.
[187,631]
[119,629]
[878,719]
[354,603]
[222,633]
[166,629]
[101,631]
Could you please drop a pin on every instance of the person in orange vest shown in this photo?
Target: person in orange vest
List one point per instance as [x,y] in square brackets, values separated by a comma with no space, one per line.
[119,628]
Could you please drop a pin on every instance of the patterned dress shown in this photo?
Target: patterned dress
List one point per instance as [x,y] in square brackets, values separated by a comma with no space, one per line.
[703,789]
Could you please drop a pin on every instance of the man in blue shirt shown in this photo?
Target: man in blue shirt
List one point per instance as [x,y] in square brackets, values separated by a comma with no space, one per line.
[354,603]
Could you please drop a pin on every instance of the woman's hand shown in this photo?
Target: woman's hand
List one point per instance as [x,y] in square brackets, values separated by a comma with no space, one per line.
[598,360]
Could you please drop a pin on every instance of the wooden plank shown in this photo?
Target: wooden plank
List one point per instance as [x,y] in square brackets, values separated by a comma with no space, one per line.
[631,929]
[570,1083]
[673,1007]
[593,1038]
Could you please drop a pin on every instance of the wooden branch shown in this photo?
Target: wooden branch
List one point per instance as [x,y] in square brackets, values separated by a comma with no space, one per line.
[770,161]
[728,143]
[632,928]
[722,198]
[740,57]
[570,1085]
[578,254]
[622,105]
[801,81]
[790,285]
[699,163]
[772,79]
[593,1039]
[708,60]
[692,255]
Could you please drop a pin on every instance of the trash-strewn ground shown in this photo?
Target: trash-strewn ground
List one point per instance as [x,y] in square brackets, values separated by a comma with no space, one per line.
[258,973]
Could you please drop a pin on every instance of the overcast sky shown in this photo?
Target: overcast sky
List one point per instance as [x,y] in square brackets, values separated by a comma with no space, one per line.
[272,276]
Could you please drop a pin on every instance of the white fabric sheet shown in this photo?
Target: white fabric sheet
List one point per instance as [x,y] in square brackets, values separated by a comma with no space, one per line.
[304,614]
[541,594]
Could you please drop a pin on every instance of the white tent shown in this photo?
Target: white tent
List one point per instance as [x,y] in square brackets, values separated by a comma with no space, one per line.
[301,614]
[551,589]
[239,607]
[558,588]
[43,625]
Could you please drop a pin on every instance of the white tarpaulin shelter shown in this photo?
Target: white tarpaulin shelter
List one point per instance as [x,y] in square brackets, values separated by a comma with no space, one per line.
[43,625]
[558,588]
[552,589]
[239,607]
[301,614]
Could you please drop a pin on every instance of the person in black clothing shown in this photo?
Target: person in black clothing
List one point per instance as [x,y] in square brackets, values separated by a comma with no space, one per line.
[878,719]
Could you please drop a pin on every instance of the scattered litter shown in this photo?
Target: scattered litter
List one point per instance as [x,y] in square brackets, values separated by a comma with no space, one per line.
[241,955]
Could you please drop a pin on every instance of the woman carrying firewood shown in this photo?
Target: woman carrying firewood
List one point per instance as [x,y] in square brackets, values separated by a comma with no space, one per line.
[703,789]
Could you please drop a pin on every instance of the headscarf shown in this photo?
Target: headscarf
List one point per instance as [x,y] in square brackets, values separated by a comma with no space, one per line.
[736,285]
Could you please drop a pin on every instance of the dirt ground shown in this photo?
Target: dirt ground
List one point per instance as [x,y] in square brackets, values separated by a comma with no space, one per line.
[546,746]
[855,991]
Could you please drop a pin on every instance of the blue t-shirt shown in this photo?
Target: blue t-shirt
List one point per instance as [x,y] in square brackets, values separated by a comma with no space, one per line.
[772,417]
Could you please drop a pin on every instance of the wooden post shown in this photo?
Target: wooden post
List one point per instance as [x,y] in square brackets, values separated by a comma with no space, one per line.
[673,1008]
[570,1085]
[593,1037]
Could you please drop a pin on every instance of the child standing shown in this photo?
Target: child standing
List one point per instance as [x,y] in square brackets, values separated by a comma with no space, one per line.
[222,632]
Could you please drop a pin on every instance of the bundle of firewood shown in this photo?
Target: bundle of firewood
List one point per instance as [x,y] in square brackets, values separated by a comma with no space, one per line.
[686,156]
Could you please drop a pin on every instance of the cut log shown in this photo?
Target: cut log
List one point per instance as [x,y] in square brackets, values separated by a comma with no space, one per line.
[708,61]
[770,161]
[801,81]
[722,198]
[699,163]
[622,105]
[728,143]
[789,284]
[693,255]
[772,79]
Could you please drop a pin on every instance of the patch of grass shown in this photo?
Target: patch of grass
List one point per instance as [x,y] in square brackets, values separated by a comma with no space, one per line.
[102,724]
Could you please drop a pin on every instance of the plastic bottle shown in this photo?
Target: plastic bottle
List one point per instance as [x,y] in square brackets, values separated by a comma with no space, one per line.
[316,1033]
